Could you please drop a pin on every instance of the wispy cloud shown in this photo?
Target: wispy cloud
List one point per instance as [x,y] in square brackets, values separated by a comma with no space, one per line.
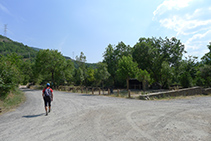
[171,4]
[190,22]
[4,9]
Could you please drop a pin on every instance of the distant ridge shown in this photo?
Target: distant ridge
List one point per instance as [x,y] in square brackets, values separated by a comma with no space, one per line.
[8,46]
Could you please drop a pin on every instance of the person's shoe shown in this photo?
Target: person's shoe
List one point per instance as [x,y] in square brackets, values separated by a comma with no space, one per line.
[46,113]
[49,110]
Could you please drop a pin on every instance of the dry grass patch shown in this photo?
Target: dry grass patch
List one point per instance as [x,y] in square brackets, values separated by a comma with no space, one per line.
[12,101]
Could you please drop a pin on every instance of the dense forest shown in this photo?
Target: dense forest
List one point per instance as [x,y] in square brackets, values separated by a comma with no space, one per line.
[151,60]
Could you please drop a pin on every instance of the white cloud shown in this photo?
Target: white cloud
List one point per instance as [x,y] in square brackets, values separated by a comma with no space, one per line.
[185,26]
[171,4]
[198,39]
[189,19]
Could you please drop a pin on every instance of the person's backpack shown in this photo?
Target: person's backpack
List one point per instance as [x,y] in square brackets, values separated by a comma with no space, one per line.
[47,92]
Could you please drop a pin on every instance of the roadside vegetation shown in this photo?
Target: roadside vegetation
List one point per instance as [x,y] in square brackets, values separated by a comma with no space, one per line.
[150,60]
[13,99]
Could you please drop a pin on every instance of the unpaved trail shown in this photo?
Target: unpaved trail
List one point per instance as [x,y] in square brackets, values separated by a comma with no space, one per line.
[78,117]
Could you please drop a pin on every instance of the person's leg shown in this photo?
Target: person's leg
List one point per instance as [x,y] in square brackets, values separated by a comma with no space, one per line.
[49,104]
[46,104]
[46,109]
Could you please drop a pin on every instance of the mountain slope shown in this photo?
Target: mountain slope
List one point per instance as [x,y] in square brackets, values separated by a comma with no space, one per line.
[7,46]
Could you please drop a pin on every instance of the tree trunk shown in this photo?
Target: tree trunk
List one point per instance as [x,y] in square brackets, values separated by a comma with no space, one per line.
[128,83]
[144,85]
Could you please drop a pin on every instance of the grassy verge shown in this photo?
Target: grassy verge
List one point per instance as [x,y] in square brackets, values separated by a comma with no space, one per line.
[13,100]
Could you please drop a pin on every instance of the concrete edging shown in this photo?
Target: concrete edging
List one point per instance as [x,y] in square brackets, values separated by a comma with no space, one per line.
[180,92]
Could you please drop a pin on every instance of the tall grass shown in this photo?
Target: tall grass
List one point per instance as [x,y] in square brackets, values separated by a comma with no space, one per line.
[13,99]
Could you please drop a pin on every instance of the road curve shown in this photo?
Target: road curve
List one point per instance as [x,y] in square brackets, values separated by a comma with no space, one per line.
[82,117]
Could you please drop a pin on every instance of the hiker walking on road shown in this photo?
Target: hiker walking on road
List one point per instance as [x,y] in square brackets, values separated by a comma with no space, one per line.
[47,94]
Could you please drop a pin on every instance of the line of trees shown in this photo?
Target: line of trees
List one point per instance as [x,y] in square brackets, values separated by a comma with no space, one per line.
[160,61]
[150,60]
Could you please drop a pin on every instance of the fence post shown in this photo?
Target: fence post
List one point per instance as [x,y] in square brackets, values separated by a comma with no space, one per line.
[86,90]
[99,91]
[92,90]
[118,92]
[81,90]
[129,93]
[108,91]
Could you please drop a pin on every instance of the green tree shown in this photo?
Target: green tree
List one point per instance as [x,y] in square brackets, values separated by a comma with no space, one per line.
[69,71]
[150,53]
[166,75]
[205,74]
[206,59]
[111,57]
[144,77]
[27,72]
[101,73]
[81,71]
[188,71]
[9,76]
[90,76]
[50,63]
[127,68]
[186,79]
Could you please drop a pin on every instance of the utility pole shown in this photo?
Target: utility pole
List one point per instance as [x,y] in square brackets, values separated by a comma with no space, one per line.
[5,30]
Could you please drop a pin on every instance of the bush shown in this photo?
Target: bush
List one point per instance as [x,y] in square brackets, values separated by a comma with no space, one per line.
[9,77]
[186,80]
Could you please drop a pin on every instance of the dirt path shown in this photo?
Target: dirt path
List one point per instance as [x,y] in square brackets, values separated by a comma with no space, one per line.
[96,118]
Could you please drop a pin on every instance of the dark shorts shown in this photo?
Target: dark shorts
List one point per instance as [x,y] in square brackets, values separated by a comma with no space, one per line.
[47,101]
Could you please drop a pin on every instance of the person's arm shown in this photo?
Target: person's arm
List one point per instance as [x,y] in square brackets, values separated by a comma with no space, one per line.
[43,93]
[51,95]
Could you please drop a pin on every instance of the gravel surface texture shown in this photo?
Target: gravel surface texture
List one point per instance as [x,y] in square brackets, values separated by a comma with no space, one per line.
[81,117]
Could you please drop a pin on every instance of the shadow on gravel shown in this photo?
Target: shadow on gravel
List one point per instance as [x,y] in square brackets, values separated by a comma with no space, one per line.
[33,116]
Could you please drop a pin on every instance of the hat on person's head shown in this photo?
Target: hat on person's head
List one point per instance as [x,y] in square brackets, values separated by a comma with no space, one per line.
[48,84]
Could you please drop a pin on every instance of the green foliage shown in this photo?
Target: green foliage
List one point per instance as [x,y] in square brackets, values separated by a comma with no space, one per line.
[166,75]
[112,55]
[186,80]
[52,66]
[8,46]
[206,59]
[151,59]
[101,73]
[190,68]
[144,77]
[151,53]
[127,68]
[90,76]
[205,75]
[9,76]
[81,71]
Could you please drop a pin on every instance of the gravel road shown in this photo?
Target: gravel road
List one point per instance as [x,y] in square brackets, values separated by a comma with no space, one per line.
[78,117]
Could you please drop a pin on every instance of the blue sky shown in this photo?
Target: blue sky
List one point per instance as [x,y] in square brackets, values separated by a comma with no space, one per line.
[89,26]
